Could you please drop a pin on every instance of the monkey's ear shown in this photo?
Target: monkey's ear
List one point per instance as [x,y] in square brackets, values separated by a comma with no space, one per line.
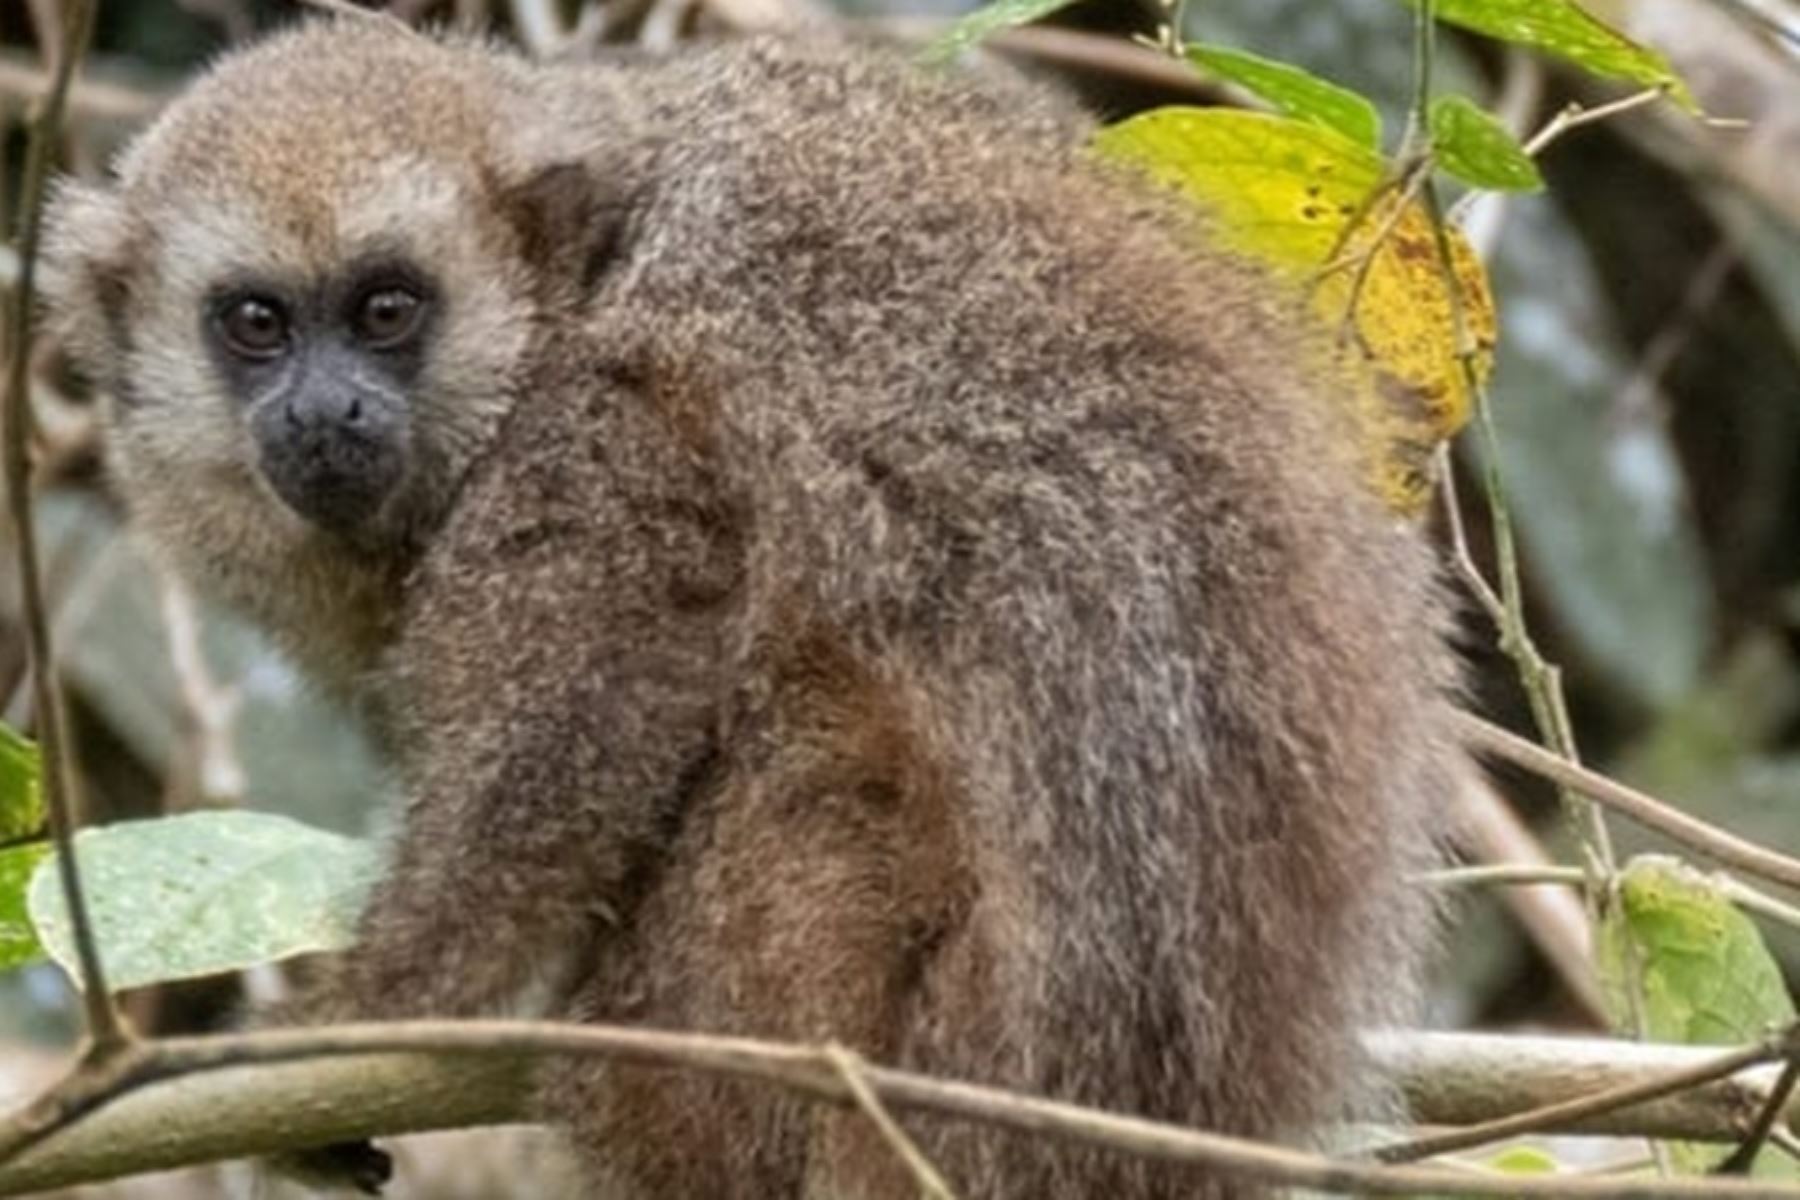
[571,223]
[84,271]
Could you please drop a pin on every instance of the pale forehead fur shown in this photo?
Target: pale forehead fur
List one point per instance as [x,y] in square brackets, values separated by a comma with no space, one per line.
[404,202]
[303,113]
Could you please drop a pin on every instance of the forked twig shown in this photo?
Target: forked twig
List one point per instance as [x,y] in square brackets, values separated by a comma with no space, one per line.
[850,1066]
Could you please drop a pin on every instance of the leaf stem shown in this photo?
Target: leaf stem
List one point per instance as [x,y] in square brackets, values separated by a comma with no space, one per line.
[105,1026]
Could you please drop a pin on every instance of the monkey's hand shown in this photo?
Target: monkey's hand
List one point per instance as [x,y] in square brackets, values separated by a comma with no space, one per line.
[357,1165]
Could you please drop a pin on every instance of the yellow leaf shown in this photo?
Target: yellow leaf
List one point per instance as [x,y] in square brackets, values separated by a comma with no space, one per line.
[1309,204]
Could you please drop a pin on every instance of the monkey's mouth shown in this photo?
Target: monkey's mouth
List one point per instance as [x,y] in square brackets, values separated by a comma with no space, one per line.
[336,477]
[339,496]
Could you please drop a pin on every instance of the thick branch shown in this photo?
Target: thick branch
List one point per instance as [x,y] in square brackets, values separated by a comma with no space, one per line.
[250,1111]
[479,1075]
[1580,1105]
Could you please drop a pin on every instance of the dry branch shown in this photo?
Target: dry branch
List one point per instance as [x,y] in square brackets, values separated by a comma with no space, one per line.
[1718,844]
[289,1091]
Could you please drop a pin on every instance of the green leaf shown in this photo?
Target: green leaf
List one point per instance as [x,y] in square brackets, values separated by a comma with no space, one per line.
[201,893]
[1705,976]
[21,802]
[1565,29]
[1297,92]
[1477,149]
[1522,1160]
[18,940]
[984,23]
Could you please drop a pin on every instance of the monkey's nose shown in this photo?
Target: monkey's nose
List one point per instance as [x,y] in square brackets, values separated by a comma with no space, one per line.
[324,408]
[333,455]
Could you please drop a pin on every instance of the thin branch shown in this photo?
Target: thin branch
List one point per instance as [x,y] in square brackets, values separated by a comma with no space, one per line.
[1753,901]
[1715,843]
[1549,874]
[1542,681]
[1507,874]
[1554,1116]
[1074,49]
[850,1067]
[1744,1156]
[105,1027]
[1462,558]
[87,98]
[1556,919]
[1399,196]
[1575,115]
[1424,48]
[349,10]
[803,1069]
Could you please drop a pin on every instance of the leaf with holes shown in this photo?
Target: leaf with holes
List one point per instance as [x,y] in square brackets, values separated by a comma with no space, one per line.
[1700,966]
[206,892]
[1296,199]
[1298,93]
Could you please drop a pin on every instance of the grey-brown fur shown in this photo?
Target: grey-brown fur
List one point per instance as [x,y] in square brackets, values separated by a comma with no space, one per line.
[900,593]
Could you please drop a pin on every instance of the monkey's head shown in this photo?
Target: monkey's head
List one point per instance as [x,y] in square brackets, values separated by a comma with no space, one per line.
[308,295]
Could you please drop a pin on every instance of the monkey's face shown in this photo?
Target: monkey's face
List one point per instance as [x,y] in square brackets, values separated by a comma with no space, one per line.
[323,371]
[301,300]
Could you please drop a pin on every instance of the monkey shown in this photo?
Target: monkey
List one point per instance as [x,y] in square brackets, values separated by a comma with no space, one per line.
[828,559]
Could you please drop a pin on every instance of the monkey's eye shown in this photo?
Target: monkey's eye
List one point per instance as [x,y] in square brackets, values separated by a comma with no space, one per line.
[388,316]
[254,327]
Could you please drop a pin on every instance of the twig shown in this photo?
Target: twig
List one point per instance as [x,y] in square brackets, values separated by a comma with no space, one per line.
[539,25]
[1753,901]
[1399,195]
[1741,1159]
[1547,874]
[1509,874]
[105,1027]
[88,97]
[1715,843]
[1460,555]
[1541,680]
[1553,1116]
[1555,918]
[1637,399]
[356,12]
[850,1066]
[802,1069]
[1575,114]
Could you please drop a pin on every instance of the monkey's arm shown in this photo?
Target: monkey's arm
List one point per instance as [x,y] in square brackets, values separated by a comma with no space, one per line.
[554,698]
[526,825]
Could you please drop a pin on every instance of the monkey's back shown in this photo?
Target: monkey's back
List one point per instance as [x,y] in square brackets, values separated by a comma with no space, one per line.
[1060,711]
